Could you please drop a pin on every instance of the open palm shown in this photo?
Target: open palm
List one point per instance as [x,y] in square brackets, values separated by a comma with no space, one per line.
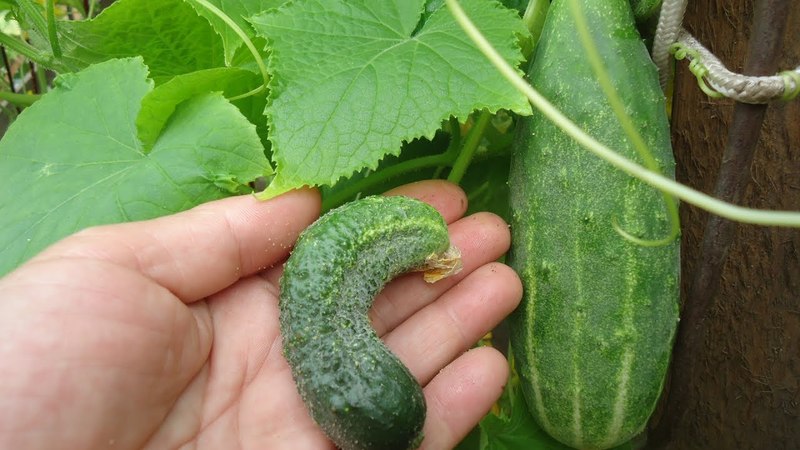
[164,334]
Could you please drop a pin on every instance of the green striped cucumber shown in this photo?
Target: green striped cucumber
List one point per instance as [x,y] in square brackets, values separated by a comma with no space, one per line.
[359,393]
[593,335]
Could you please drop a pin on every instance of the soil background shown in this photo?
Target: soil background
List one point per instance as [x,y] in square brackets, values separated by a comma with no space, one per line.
[745,392]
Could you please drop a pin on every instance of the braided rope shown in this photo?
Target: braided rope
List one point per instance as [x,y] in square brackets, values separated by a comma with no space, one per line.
[669,26]
[712,76]
[717,81]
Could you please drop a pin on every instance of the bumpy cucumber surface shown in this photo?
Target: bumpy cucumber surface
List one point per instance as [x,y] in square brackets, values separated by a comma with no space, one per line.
[593,335]
[361,395]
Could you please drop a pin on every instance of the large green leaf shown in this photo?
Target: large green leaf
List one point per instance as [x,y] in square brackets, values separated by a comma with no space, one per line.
[168,34]
[352,80]
[73,159]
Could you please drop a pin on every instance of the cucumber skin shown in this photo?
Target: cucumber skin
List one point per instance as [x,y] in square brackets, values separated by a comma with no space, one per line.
[359,393]
[593,335]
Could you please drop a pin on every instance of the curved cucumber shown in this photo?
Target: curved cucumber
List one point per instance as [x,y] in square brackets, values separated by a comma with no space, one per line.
[361,395]
[593,335]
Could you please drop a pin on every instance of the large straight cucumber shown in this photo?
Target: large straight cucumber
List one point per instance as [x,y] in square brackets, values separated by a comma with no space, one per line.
[594,332]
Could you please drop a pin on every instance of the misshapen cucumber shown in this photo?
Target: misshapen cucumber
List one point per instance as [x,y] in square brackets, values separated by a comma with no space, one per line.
[594,332]
[359,393]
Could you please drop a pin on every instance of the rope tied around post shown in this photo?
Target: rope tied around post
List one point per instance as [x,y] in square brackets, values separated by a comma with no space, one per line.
[712,76]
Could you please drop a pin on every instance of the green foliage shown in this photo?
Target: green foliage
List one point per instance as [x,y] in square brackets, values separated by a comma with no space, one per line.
[358,88]
[74,159]
[364,77]
[168,34]
[238,11]
[158,104]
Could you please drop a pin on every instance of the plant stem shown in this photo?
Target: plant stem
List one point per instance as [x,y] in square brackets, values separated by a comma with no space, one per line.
[365,184]
[33,14]
[19,99]
[34,78]
[453,146]
[470,145]
[23,48]
[7,65]
[9,74]
[534,17]
[243,36]
[52,32]
[660,182]
[625,121]
[92,4]
[41,79]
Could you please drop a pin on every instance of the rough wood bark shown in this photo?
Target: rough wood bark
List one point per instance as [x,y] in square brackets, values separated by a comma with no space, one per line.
[745,388]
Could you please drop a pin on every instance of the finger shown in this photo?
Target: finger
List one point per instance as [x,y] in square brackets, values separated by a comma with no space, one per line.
[444,329]
[201,251]
[460,395]
[481,238]
[447,198]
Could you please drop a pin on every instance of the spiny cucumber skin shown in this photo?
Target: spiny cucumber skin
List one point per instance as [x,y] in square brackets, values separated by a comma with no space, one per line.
[593,335]
[359,393]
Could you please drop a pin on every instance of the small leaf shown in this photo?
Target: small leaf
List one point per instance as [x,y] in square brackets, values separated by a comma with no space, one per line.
[158,104]
[352,80]
[74,160]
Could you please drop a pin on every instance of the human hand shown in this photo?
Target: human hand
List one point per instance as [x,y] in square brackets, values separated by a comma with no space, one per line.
[164,334]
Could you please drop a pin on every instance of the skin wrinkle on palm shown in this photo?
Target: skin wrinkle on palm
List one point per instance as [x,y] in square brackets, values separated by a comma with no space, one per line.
[124,289]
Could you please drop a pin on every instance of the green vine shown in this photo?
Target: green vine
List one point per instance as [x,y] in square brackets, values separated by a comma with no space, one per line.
[534,16]
[52,32]
[23,48]
[660,182]
[464,157]
[635,138]
[19,99]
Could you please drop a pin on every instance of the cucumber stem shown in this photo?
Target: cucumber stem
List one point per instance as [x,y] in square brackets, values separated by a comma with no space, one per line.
[33,14]
[439,161]
[52,32]
[534,16]
[470,145]
[345,194]
[19,99]
[660,182]
[23,48]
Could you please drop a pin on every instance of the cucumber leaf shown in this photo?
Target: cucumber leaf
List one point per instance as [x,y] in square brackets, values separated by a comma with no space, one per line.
[158,104]
[238,11]
[74,160]
[168,34]
[352,80]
